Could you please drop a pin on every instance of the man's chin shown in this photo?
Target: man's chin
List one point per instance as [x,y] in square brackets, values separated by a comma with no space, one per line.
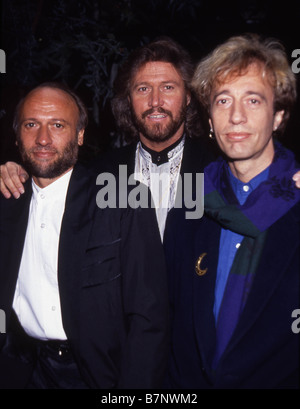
[157,138]
[48,171]
[158,135]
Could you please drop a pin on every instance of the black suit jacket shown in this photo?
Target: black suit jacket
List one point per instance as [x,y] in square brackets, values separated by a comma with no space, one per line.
[197,153]
[112,285]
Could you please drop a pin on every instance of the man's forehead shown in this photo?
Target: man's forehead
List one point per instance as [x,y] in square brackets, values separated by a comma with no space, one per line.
[46,98]
[48,93]
[156,70]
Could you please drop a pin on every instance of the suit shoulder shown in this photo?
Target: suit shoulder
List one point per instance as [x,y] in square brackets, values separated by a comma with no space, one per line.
[109,161]
[198,153]
[12,203]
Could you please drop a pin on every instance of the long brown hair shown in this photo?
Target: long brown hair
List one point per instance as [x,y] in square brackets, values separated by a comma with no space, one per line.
[163,49]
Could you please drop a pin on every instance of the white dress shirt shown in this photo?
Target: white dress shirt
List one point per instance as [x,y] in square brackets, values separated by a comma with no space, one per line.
[161,179]
[36,301]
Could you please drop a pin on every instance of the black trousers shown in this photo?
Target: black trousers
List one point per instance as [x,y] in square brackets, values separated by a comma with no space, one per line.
[48,364]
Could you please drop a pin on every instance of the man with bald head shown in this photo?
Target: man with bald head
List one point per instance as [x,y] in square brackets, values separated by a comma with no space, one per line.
[49,154]
[79,285]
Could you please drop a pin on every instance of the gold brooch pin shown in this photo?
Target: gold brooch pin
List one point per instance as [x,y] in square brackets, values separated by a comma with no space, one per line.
[199,270]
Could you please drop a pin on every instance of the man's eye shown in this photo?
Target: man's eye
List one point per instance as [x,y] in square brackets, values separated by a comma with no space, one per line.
[57,125]
[142,89]
[222,101]
[29,125]
[254,101]
[169,87]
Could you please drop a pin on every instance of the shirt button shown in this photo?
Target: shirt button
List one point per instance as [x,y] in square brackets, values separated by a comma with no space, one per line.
[53,308]
[237,245]
[42,196]
[43,225]
[246,188]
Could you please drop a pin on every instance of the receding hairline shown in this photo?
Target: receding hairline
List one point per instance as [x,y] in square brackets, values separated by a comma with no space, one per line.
[50,88]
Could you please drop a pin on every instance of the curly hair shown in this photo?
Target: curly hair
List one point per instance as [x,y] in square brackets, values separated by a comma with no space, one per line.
[233,57]
[163,49]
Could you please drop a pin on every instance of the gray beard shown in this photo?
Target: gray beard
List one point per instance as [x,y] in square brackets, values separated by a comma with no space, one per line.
[64,162]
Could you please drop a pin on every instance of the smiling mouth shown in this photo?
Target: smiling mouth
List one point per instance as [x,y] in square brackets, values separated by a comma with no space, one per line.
[157,116]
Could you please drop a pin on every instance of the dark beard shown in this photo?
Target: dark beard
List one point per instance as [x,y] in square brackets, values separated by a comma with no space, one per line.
[156,133]
[65,161]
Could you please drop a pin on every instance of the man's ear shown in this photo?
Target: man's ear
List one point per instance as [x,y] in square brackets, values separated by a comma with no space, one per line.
[188,99]
[277,119]
[81,137]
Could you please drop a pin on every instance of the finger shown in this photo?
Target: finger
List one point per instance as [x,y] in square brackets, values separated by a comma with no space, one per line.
[23,177]
[14,176]
[296,178]
[4,190]
[10,180]
[17,184]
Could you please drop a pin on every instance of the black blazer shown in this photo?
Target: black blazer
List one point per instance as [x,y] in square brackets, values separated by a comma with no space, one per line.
[197,153]
[112,285]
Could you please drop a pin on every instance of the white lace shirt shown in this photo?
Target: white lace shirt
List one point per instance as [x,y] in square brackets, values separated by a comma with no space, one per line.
[161,179]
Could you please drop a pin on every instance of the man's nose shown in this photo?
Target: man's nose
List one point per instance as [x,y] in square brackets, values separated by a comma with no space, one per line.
[43,136]
[238,113]
[156,98]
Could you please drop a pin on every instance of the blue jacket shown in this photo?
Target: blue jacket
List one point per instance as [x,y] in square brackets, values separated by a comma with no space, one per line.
[263,351]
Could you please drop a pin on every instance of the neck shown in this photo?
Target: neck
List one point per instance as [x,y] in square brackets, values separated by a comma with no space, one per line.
[44,182]
[161,145]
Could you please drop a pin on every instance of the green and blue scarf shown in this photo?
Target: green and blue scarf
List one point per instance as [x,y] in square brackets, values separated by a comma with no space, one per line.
[264,206]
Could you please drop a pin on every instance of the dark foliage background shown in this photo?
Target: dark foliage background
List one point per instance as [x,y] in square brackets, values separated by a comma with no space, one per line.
[83,42]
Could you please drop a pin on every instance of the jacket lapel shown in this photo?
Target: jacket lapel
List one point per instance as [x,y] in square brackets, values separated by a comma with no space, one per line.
[76,224]
[206,241]
[196,155]
[14,219]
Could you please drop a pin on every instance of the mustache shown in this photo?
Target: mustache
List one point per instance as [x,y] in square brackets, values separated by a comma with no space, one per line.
[156,110]
[42,149]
